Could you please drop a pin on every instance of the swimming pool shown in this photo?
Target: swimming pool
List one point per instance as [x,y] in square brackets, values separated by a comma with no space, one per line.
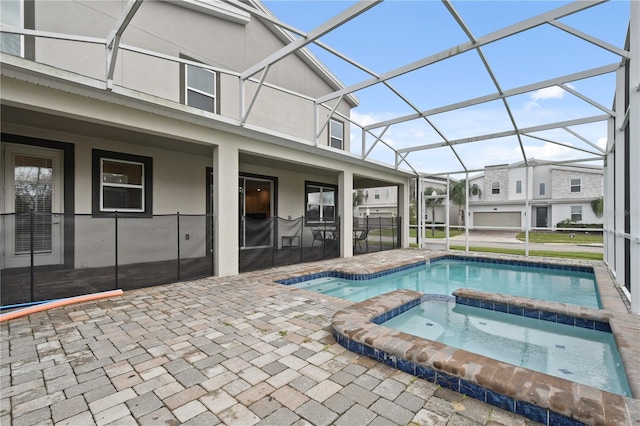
[578,354]
[443,276]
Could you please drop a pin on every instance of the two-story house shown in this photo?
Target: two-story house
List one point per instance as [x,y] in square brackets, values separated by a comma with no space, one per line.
[555,193]
[117,116]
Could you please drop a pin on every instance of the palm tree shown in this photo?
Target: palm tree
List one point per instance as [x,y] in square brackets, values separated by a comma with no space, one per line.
[458,197]
[358,197]
[433,202]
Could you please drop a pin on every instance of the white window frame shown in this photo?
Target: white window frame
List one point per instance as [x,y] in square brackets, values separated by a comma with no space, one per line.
[542,190]
[495,188]
[187,88]
[104,184]
[332,138]
[21,27]
[576,211]
[518,187]
[322,187]
[376,194]
[574,185]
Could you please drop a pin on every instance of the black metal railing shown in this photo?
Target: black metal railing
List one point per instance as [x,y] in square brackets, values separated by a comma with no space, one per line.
[50,256]
[81,254]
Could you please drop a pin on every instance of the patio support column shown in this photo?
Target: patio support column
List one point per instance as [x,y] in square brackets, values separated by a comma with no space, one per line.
[634,155]
[619,181]
[403,212]
[226,244]
[345,210]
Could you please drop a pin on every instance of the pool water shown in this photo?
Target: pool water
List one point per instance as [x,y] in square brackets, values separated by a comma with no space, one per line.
[446,276]
[573,353]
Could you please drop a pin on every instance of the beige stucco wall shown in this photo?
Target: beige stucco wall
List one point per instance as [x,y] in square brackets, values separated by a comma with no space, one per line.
[169,29]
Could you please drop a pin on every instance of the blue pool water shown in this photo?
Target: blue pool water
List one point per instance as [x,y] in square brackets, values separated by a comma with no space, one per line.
[446,276]
[573,353]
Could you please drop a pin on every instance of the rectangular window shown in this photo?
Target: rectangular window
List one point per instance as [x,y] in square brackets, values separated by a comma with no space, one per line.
[575,185]
[122,183]
[542,188]
[12,15]
[376,194]
[576,213]
[200,90]
[495,187]
[320,202]
[336,134]
[518,187]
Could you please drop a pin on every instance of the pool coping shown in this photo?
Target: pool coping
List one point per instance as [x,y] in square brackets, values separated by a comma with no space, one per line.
[570,400]
[541,397]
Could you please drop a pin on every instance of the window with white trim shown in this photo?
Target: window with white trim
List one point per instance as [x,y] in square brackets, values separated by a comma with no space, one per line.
[542,188]
[336,134]
[576,213]
[376,194]
[12,15]
[495,187]
[122,183]
[576,185]
[518,187]
[200,88]
[320,203]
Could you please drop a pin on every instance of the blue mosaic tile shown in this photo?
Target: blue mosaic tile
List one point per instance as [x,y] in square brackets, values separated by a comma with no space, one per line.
[486,305]
[602,326]
[474,302]
[548,316]
[472,390]
[585,323]
[425,372]
[565,319]
[389,360]
[448,381]
[533,412]
[516,310]
[556,419]
[532,313]
[368,351]
[501,401]
[501,307]
[407,366]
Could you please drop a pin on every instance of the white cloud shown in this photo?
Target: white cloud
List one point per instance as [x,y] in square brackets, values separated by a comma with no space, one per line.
[553,92]
[602,142]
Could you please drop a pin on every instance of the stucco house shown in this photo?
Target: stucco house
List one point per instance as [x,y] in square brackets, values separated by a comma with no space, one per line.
[142,133]
[548,195]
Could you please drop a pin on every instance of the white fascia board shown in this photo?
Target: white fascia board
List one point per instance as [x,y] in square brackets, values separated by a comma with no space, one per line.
[214,8]
[583,168]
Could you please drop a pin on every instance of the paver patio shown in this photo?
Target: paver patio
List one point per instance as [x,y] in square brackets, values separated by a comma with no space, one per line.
[237,350]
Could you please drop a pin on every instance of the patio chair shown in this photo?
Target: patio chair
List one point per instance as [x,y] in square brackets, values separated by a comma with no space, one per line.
[318,235]
[362,236]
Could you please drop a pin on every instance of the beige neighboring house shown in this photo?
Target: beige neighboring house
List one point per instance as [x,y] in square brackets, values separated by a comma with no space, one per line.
[555,192]
[167,122]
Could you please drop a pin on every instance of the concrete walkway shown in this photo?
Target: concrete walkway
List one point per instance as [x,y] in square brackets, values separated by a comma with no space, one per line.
[237,351]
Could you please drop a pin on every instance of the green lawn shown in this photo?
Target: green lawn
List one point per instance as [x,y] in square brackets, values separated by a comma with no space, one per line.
[563,237]
[413,232]
[543,253]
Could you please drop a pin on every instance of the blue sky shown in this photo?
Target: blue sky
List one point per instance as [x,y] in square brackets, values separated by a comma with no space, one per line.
[398,32]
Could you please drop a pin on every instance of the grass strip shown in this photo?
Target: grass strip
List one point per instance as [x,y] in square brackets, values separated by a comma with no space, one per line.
[541,253]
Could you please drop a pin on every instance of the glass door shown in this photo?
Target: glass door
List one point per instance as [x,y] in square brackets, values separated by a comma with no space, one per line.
[256,212]
[33,192]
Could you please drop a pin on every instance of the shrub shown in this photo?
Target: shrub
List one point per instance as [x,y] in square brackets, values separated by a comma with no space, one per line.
[568,223]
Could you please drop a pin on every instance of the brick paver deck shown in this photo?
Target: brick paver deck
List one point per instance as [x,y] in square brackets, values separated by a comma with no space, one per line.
[238,350]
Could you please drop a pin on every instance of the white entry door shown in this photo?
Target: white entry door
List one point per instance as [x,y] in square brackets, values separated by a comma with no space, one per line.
[32,182]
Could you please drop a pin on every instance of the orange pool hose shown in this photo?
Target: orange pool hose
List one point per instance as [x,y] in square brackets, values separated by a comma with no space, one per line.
[58,303]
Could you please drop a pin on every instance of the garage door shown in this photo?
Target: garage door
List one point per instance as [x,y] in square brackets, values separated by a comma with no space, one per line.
[509,219]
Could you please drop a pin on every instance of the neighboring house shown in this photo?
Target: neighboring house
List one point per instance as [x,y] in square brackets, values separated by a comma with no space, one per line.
[145,131]
[383,202]
[555,192]
[378,202]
